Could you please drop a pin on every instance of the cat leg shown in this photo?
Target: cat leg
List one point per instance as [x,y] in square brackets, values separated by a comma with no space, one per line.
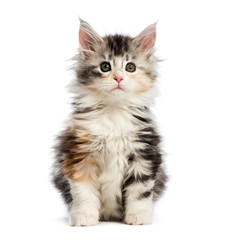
[140,178]
[85,192]
[85,207]
[80,168]
[138,202]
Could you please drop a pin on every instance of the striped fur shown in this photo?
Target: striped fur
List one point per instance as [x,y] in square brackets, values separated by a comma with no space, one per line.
[109,165]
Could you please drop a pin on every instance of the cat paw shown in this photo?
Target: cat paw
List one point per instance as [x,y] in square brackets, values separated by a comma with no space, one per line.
[139,218]
[81,219]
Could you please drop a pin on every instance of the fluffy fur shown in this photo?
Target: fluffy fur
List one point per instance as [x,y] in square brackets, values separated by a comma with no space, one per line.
[108,160]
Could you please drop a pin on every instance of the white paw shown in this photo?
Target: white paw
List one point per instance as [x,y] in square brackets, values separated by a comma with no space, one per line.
[139,218]
[81,219]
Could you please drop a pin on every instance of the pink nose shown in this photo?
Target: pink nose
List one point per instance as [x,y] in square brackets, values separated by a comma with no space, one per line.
[118,79]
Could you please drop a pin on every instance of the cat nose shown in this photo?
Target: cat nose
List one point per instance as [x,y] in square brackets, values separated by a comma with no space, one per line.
[118,78]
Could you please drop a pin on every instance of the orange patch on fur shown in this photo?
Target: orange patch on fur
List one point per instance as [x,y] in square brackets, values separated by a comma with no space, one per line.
[144,84]
[78,161]
[138,78]
[85,170]
[141,91]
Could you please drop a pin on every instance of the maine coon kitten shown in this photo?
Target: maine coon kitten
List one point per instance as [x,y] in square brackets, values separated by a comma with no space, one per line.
[108,160]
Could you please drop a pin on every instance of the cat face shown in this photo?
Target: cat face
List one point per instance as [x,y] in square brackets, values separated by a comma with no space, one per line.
[116,65]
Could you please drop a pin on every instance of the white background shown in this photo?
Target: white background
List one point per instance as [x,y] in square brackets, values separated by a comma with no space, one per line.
[38,37]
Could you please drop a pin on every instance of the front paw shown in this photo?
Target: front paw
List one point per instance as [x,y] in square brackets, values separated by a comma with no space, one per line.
[81,219]
[142,217]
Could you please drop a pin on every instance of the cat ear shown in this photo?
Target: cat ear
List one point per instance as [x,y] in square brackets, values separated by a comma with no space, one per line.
[88,37]
[146,39]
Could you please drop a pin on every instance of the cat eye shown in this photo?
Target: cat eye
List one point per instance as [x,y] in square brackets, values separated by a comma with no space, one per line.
[130,67]
[105,66]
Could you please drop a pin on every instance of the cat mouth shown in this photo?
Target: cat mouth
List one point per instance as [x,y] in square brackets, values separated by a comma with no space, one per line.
[118,88]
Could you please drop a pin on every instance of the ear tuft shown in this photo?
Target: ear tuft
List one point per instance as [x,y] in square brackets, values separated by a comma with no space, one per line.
[146,39]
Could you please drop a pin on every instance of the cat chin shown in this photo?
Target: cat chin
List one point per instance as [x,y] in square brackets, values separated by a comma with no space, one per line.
[117,91]
[110,93]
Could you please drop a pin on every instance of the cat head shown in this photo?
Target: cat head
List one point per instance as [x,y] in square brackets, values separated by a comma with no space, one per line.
[116,67]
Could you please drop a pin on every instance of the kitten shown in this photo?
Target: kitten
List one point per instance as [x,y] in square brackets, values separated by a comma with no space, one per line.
[108,160]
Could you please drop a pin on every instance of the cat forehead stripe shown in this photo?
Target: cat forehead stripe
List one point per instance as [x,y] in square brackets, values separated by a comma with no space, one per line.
[118,44]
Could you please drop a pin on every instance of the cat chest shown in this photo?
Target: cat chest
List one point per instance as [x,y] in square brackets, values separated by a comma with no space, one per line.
[115,134]
[113,126]
[115,139]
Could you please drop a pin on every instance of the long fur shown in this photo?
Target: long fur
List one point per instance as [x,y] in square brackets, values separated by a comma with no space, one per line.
[109,165]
